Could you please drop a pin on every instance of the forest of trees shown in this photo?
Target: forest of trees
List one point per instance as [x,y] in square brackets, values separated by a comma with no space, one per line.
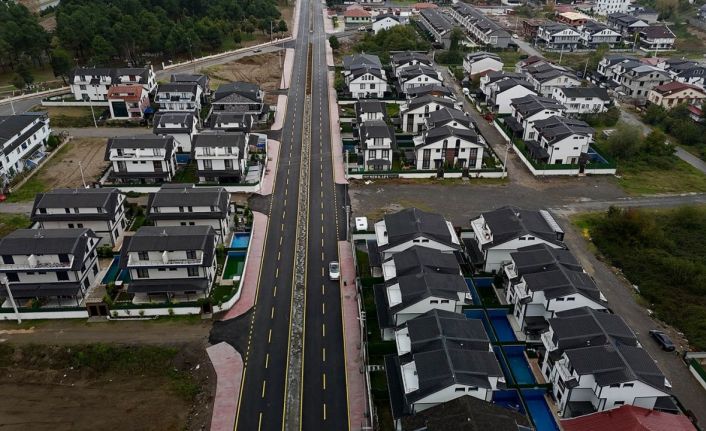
[101,32]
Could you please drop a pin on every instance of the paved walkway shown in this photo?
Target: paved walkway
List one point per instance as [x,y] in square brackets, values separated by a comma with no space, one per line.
[335,122]
[228,365]
[268,180]
[251,275]
[352,338]
[16,207]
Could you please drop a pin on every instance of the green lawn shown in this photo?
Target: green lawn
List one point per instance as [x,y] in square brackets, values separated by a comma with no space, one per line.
[11,222]
[28,190]
[393,110]
[510,58]
[40,74]
[663,253]
[642,179]
[187,174]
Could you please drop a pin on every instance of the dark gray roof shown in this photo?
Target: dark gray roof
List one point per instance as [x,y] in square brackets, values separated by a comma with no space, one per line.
[220,138]
[439,369]
[495,75]
[447,132]
[178,87]
[356,61]
[201,80]
[141,141]
[509,222]
[366,106]
[387,15]
[427,99]
[184,120]
[237,92]
[424,260]
[399,58]
[611,364]
[360,71]
[623,18]
[594,27]
[428,89]
[480,20]
[417,287]
[657,32]
[171,238]
[556,27]
[580,92]
[585,327]
[12,125]
[541,257]
[411,223]
[375,129]
[219,119]
[48,241]
[106,198]
[509,83]
[217,199]
[481,55]
[416,70]
[466,413]
[436,19]
[556,128]
[561,281]
[447,115]
[531,104]
[439,329]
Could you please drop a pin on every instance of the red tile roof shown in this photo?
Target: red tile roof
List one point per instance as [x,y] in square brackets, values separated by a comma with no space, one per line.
[629,418]
[126,92]
[675,87]
[356,11]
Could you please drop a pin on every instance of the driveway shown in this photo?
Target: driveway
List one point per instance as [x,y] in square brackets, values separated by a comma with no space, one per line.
[517,172]
[527,48]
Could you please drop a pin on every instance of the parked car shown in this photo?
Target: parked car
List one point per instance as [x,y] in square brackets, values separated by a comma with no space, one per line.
[256,50]
[334,271]
[663,340]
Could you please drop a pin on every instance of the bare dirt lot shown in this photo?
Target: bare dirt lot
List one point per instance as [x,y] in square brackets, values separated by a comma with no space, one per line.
[58,384]
[63,169]
[262,69]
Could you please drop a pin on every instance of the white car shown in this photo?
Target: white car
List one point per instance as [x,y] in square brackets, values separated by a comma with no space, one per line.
[334,271]
[515,36]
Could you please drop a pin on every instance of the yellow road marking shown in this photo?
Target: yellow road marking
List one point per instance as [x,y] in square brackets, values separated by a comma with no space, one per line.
[272,312]
[324,411]
[267,360]
[264,385]
[259,422]
[323,329]
[324,382]
[269,336]
[323,308]
[274,293]
[323,354]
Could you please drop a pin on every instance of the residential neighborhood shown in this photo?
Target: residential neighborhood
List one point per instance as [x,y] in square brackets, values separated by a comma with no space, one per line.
[362,216]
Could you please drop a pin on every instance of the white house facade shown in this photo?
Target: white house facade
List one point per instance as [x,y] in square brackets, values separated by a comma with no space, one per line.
[142,158]
[23,139]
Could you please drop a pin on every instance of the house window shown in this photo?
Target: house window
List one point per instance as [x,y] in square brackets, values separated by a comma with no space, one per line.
[191,254]
[433,301]
[192,271]
[628,385]
[8,259]
[12,277]
[143,255]
[560,299]
[142,273]
[460,389]
[615,385]
[619,403]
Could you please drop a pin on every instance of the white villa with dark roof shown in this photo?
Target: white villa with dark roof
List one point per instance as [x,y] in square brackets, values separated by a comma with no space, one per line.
[222,157]
[182,126]
[583,100]
[370,110]
[440,356]
[441,146]
[417,75]
[179,96]
[240,97]
[187,205]
[142,158]
[415,112]
[541,281]
[23,140]
[498,233]
[560,140]
[418,259]
[56,267]
[100,209]
[526,110]
[402,60]
[377,144]
[595,363]
[404,229]
[175,263]
[364,76]
[93,83]
[475,63]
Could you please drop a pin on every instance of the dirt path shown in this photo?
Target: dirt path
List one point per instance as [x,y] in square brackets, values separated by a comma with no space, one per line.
[173,331]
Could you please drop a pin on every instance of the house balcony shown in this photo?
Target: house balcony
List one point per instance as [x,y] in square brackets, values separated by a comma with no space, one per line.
[481,230]
[521,296]
[510,271]
[166,261]
[547,341]
[33,266]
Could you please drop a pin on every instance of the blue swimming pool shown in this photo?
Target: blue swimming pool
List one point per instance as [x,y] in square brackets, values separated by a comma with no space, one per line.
[240,240]
[539,410]
[510,399]
[518,363]
[113,271]
[474,293]
[498,319]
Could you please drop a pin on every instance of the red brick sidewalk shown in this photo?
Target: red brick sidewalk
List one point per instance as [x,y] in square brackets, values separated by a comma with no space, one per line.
[355,380]
[268,180]
[228,365]
[251,275]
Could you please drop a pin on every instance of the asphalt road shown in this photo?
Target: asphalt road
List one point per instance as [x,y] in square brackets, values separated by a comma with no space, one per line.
[324,402]
[262,398]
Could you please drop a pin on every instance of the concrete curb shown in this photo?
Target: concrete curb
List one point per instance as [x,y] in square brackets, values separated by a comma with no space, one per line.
[228,364]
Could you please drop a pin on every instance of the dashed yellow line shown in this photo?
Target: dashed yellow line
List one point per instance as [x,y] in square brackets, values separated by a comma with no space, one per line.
[324,380]
[264,386]
[272,312]
[269,336]
[323,329]
[323,354]
[267,360]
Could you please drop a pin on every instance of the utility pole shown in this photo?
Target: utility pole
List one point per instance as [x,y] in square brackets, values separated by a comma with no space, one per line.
[6,283]
[507,150]
[585,69]
[83,179]
[12,105]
